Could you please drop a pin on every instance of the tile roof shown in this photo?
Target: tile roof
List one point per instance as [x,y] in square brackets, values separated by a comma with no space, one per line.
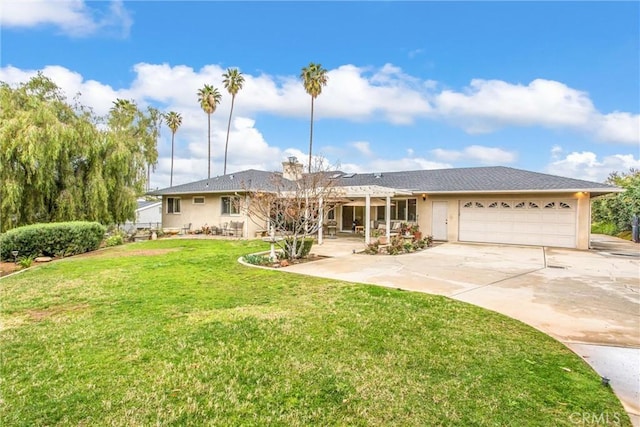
[455,180]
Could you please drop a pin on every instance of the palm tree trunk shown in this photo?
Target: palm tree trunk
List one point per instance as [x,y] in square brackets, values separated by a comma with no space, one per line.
[226,145]
[209,140]
[311,135]
[171,179]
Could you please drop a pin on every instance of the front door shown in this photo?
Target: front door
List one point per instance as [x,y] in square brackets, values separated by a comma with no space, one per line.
[439,220]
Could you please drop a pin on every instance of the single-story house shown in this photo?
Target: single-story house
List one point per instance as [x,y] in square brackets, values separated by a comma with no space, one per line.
[478,204]
[148,216]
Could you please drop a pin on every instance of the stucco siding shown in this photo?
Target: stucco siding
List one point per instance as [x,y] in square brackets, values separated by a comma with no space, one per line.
[208,213]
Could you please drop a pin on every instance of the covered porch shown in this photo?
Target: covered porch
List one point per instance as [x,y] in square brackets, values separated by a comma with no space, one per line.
[363,210]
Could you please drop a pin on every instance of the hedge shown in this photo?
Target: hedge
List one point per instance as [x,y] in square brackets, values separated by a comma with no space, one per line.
[56,239]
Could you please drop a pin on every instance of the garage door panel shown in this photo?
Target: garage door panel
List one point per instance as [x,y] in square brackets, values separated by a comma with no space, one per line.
[548,222]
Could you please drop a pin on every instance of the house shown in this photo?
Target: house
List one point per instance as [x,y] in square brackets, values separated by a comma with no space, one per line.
[148,216]
[479,204]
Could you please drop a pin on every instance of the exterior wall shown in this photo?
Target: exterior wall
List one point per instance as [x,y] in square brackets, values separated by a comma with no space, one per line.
[583,211]
[210,213]
[583,233]
[199,215]
[151,214]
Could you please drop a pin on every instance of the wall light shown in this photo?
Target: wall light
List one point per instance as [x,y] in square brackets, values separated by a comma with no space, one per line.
[424,197]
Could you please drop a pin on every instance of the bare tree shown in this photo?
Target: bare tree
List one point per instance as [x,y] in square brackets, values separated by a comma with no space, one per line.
[293,209]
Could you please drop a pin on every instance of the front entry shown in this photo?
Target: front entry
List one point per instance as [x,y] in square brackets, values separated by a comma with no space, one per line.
[439,220]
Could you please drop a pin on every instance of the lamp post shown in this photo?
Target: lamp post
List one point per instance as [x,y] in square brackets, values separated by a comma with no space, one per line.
[15,256]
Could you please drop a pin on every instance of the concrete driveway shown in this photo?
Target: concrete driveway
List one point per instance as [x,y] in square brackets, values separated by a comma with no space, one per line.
[589,300]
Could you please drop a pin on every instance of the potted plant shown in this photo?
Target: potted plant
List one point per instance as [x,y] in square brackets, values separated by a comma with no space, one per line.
[415,230]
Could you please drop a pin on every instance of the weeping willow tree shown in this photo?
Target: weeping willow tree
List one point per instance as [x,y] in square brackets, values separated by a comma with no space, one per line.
[57,164]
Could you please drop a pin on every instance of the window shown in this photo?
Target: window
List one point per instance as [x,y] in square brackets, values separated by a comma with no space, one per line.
[550,205]
[401,210]
[564,205]
[479,205]
[173,205]
[520,205]
[412,210]
[331,212]
[493,205]
[533,205]
[230,205]
[468,205]
[505,205]
[198,200]
[380,211]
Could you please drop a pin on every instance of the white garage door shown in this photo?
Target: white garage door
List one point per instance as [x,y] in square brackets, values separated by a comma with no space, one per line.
[547,222]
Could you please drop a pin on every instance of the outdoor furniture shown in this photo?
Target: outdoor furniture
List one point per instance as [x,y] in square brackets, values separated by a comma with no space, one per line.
[186,228]
[395,229]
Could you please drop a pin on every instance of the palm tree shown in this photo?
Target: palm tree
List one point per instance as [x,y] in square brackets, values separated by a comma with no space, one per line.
[313,77]
[174,120]
[155,118]
[209,98]
[233,82]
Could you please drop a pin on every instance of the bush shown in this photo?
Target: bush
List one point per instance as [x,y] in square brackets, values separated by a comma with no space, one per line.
[301,250]
[26,262]
[257,259]
[56,239]
[114,240]
[608,228]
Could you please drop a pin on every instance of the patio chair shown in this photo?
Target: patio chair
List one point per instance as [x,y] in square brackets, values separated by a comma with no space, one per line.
[239,229]
[186,228]
[395,229]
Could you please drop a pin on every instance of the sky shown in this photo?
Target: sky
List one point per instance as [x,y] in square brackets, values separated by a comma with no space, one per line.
[551,87]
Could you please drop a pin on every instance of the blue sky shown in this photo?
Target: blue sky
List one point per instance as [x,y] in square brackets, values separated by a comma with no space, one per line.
[544,86]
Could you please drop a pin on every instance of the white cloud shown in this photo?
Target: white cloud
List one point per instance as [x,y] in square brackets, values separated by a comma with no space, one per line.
[476,154]
[586,165]
[488,105]
[363,147]
[72,17]
[384,94]
[618,127]
[393,165]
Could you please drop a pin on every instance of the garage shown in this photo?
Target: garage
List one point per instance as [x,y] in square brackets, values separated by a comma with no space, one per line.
[544,222]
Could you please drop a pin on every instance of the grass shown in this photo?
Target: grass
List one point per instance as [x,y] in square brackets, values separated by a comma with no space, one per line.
[175,332]
[610,229]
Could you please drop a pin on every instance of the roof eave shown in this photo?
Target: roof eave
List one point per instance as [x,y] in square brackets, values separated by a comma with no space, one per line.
[592,191]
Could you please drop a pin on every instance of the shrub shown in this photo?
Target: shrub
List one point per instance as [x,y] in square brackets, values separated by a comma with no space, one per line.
[114,240]
[257,259]
[608,228]
[26,262]
[301,250]
[372,248]
[52,239]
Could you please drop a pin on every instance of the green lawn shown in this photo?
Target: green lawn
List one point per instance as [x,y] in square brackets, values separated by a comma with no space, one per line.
[175,332]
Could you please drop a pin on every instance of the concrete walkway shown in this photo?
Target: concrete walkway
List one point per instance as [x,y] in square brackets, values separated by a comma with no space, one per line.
[588,300]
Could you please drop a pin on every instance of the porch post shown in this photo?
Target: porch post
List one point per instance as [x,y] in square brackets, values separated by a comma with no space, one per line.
[387,218]
[320,220]
[367,219]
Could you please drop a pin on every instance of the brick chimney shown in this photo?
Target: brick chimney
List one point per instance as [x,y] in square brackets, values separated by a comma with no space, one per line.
[292,169]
